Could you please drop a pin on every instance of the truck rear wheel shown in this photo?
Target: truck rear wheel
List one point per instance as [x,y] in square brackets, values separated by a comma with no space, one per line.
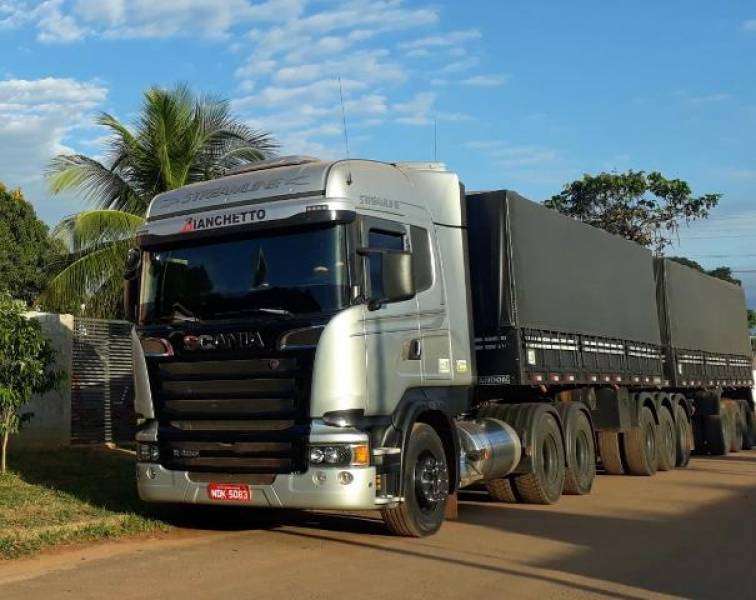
[581,454]
[609,450]
[426,486]
[716,434]
[501,490]
[666,441]
[640,445]
[544,485]
[682,440]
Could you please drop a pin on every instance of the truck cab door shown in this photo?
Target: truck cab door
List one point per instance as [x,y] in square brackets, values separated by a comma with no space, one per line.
[391,332]
[433,321]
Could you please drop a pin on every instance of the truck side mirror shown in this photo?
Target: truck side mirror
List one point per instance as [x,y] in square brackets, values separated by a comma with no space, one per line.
[131,284]
[397,277]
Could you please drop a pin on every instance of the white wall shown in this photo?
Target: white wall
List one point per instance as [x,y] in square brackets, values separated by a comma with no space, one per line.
[50,427]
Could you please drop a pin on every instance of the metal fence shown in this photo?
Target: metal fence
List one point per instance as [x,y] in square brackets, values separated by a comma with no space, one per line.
[102,393]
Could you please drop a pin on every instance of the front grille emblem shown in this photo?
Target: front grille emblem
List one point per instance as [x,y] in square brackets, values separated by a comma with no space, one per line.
[234,340]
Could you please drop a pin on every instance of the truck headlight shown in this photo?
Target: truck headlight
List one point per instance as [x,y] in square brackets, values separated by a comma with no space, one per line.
[340,455]
[148,453]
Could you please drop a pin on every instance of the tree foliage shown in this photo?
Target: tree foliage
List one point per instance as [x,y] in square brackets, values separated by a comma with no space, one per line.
[178,138]
[724,273]
[751,318]
[646,208]
[28,255]
[27,363]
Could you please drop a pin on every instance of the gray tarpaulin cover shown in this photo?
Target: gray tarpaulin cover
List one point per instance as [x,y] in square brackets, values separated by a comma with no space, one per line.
[532,267]
[700,312]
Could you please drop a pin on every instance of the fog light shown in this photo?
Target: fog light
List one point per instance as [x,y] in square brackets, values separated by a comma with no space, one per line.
[345,477]
[148,453]
[151,473]
[316,455]
[319,478]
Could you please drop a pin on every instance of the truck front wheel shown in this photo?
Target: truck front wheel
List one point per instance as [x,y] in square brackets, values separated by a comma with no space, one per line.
[426,486]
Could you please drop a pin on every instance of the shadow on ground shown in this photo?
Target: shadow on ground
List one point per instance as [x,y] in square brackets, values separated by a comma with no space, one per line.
[700,553]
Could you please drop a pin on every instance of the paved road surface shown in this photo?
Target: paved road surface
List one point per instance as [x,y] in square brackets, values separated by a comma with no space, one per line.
[687,533]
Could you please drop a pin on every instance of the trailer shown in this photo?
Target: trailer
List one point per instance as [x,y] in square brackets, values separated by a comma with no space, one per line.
[358,335]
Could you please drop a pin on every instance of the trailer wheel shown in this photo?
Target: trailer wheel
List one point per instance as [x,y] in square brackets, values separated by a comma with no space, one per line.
[682,439]
[609,450]
[666,441]
[426,486]
[736,427]
[581,450]
[640,445]
[748,427]
[699,435]
[544,485]
[717,434]
[501,490]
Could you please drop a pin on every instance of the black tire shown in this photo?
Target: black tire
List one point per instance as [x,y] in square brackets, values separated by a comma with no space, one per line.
[426,486]
[716,434]
[640,444]
[699,435]
[683,437]
[737,426]
[748,427]
[581,455]
[609,450]
[545,484]
[501,490]
[666,441]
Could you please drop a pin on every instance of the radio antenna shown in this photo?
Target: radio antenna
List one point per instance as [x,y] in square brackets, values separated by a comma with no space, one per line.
[346,134]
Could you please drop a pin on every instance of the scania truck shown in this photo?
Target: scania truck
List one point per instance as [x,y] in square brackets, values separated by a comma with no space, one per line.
[360,335]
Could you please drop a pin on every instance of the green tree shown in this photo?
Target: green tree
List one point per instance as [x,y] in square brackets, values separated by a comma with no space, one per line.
[751,318]
[178,138]
[646,208]
[26,367]
[28,254]
[724,273]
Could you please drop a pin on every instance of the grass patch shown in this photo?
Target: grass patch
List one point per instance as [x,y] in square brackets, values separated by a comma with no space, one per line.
[69,495]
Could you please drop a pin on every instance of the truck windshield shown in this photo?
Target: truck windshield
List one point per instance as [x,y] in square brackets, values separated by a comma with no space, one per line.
[280,274]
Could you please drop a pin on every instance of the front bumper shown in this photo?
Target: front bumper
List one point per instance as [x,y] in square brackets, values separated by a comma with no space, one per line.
[302,490]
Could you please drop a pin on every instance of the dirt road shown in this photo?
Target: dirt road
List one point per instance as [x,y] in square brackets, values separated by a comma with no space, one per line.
[689,533]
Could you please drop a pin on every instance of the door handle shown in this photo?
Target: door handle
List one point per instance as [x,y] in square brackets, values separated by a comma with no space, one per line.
[415,350]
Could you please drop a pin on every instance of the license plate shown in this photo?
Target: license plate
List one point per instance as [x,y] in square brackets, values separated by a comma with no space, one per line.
[229,492]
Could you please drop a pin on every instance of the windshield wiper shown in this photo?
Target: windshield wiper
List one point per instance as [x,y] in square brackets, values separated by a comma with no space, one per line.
[182,313]
[269,311]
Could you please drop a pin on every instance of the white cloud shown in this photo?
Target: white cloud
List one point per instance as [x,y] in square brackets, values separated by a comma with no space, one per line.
[36,119]
[507,155]
[65,21]
[459,65]
[452,38]
[485,80]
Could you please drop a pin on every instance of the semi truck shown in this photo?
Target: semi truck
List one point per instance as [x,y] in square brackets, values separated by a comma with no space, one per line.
[361,335]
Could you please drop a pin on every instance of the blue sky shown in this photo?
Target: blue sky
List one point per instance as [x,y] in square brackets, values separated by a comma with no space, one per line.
[526,95]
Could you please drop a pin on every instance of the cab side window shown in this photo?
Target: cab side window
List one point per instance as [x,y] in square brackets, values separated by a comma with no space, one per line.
[422,260]
[381,240]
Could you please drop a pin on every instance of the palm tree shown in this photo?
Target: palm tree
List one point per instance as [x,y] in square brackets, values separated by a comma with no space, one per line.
[179,138]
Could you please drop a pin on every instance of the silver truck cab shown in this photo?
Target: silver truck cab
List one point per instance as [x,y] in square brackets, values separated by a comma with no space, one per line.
[345,314]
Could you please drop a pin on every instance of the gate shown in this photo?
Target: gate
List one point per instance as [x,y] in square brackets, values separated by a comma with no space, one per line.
[102,392]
